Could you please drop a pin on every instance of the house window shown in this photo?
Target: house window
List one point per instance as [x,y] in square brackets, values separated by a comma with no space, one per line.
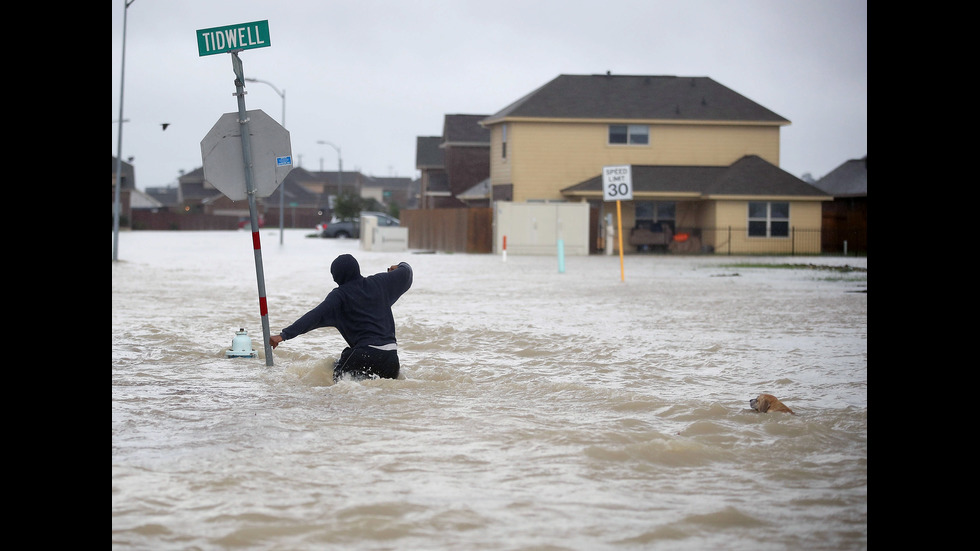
[633,134]
[768,219]
[503,140]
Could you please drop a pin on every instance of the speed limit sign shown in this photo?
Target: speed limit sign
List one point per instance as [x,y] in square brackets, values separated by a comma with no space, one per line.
[617,183]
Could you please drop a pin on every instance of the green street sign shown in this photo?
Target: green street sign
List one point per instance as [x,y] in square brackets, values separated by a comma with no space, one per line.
[244,36]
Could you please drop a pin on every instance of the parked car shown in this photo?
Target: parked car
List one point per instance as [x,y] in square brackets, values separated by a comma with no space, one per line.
[352,228]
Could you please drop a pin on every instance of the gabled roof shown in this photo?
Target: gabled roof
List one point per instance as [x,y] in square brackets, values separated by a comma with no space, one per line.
[627,97]
[192,186]
[387,182]
[464,130]
[482,190]
[848,180]
[128,174]
[300,175]
[293,191]
[196,175]
[749,176]
[427,152]
[143,200]
[166,195]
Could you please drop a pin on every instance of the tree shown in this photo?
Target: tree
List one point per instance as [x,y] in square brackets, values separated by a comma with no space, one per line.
[372,204]
[348,206]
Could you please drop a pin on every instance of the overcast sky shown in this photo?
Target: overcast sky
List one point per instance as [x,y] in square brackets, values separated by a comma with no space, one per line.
[369,76]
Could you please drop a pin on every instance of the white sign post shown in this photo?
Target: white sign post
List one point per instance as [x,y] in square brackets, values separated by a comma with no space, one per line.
[617,185]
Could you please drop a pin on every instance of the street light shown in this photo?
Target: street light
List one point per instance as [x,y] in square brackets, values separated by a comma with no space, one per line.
[281,94]
[115,199]
[340,166]
[282,190]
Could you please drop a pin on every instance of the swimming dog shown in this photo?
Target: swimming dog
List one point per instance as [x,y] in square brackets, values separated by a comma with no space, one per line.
[768,402]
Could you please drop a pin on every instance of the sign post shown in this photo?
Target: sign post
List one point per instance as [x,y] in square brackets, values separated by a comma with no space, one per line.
[617,185]
[233,39]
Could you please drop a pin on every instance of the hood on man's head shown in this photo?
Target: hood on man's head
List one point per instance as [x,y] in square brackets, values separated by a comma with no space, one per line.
[344,269]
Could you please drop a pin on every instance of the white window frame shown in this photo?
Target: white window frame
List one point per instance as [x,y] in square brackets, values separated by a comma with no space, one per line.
[636,134]
[767,219]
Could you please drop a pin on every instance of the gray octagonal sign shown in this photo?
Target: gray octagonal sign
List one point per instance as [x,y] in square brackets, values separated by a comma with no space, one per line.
[224,163]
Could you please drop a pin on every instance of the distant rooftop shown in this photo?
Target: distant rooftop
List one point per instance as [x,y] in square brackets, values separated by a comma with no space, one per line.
[848,180]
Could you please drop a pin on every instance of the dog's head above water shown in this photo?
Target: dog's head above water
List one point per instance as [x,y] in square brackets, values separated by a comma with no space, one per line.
[767,402]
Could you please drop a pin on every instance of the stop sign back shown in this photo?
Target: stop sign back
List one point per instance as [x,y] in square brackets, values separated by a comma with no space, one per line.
[224,163]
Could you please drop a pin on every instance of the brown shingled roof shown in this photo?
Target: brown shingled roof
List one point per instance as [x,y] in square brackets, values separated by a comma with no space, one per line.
[750,175]
[637,97]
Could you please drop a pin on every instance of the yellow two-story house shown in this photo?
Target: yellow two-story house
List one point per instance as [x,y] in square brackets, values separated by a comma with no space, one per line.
[704,162]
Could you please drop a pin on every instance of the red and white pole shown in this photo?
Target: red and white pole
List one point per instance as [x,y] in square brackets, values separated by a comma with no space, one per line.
[250,192]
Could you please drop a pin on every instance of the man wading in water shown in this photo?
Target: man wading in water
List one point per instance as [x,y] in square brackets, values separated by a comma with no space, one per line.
[360,308]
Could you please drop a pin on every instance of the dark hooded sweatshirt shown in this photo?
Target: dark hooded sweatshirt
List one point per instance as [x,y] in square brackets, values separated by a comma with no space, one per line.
[360,307]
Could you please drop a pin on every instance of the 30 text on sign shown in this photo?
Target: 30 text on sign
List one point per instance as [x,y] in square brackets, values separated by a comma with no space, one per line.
[244,36]
[617,183]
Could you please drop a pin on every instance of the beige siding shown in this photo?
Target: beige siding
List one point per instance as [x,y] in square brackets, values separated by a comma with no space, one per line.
[499,166]
[724,224]
[802,214]
[712,145]
[807,214]
[731,229]
[544,157]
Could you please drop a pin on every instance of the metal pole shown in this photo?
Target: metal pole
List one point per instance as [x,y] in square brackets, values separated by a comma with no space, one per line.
[115,201]
[619,219]
[282,189]
[340,166]
[236,63]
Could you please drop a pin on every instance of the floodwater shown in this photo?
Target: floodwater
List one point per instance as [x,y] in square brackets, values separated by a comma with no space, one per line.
[536,409]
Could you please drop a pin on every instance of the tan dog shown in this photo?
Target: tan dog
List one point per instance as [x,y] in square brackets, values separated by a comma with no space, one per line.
[768,402]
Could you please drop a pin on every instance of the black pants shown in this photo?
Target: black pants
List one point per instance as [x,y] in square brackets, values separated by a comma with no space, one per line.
[366,363]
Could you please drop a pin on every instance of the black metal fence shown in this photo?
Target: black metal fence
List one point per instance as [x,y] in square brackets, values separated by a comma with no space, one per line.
[733,240]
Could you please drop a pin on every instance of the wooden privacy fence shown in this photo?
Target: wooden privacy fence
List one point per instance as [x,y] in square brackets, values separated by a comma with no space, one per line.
[467,230]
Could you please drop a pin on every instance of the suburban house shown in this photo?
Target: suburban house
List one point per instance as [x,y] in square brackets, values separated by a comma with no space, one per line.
[466,152]
[387,190]
[307,199]
[704,161]
[127,182]
[453,164]
[845,219]
[744,207]
[433,182]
